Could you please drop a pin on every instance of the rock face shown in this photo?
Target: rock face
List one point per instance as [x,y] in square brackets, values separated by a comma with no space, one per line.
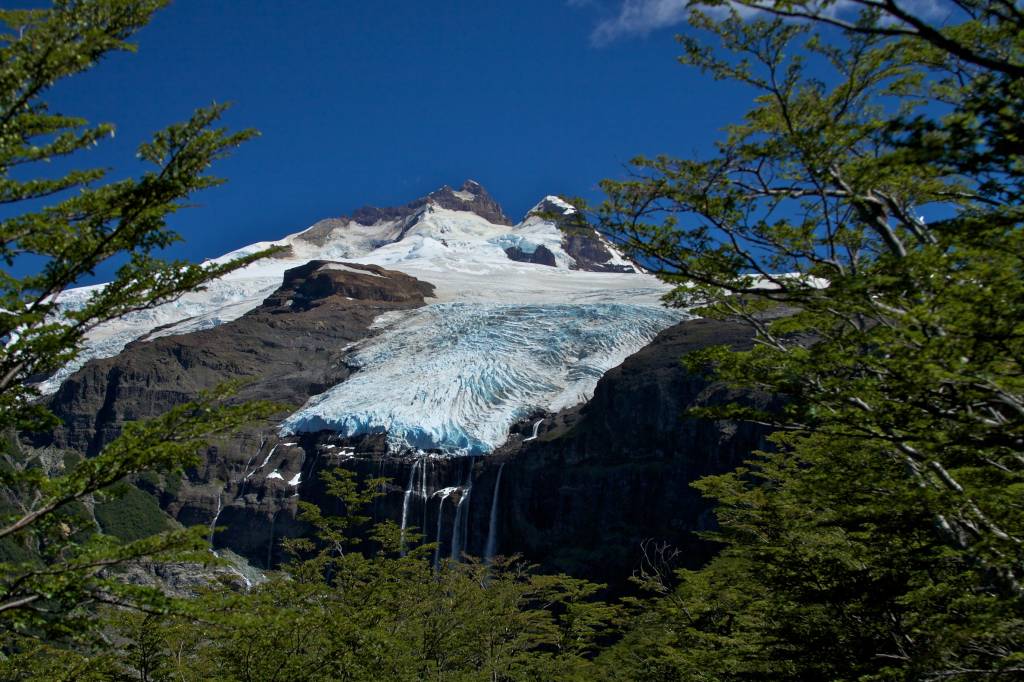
[541,256]
[290,347]
[580,240]
[582,489]
[599,480]
[470,197]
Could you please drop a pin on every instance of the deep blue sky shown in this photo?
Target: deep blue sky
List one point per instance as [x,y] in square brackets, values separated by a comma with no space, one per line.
[381,101]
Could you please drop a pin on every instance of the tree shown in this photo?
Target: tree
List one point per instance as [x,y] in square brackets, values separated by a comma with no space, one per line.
[55,564]
[337,613]
[889,520]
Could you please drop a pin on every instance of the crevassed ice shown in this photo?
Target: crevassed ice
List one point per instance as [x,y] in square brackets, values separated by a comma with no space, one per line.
[455,376]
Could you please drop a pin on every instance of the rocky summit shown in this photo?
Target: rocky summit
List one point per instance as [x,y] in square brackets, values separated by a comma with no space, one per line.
[518,384]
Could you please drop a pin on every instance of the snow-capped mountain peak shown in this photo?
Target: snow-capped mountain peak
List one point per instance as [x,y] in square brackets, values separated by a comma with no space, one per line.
[523,317]
[551,204]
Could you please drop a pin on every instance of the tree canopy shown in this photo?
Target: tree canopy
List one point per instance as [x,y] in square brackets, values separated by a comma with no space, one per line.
[54,562]
[881,539]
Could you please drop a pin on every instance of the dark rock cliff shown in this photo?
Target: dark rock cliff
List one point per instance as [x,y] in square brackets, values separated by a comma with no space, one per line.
[600,479]
[541,255]
[289,348]
[580,490]
[580,240]
[597,480]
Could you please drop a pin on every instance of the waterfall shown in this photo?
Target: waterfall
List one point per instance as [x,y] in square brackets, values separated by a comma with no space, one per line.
[492,530]
[445,492]
[216,515]
[536,426]
[424,472]
[270,542]
[267,459]
[460,527]
[263,441]
[405,503]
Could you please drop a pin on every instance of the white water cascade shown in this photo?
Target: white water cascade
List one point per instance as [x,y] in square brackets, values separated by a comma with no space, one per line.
[444,493]
[405,503]
[424,472]
[265,460]
[492,530]
[536,428]
[460,527]
[216,515]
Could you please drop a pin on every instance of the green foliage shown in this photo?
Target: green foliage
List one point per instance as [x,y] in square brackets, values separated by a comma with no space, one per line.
[342,615]
[55,566]
[131,515]
[883,538]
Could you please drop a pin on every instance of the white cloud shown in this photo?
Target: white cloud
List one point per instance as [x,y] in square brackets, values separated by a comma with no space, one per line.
[639,17]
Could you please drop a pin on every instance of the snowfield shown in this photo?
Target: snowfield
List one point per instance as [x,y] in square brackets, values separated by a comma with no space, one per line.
[501,338]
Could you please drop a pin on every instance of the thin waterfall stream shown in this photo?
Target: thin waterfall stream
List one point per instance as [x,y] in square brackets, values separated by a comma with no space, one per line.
[460,527]
[444,493]
[405,503]
[536,428]
[492,530]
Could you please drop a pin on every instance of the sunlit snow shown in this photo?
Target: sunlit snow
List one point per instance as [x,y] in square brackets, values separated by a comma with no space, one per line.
[459,252]
[501,338]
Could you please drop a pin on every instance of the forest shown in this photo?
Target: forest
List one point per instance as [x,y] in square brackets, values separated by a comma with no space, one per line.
[864,218]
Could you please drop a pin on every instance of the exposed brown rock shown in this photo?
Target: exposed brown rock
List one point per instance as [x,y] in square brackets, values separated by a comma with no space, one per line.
[289,348]
[480,203]
[580,240]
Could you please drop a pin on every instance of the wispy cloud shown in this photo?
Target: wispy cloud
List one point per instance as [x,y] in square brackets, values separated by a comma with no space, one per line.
[640,17]
[637,17]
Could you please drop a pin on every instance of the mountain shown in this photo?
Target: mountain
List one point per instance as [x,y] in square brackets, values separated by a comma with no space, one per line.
[519,384]
[458,240]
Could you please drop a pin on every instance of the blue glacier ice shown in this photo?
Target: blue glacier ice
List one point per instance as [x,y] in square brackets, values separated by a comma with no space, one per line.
[455,376]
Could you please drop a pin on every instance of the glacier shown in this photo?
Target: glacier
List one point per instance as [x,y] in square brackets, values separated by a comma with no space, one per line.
[459,252]
[223,301]
[455,376]
[501,338]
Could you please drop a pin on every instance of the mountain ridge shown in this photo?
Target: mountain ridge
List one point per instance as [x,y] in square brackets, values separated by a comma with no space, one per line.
[430,350]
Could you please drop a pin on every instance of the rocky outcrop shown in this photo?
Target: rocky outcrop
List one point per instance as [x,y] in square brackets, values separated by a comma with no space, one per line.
[588,250]
[541,255]
[471,196]
[398,220]
[580,239]
[581,490]
[289,348]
